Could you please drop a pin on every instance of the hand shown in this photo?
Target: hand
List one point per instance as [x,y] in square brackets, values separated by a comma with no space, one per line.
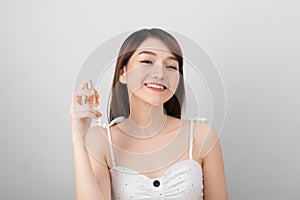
[81,115]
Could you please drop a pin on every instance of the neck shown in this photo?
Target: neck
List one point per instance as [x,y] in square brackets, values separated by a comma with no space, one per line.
[146,116]
[145,120]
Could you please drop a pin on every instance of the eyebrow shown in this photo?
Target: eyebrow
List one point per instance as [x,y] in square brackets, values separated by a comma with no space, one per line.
[154,54]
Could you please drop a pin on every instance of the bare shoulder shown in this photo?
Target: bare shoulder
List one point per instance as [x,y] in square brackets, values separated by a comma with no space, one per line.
[206,136]
[97,143]
[176,123]
[96,133]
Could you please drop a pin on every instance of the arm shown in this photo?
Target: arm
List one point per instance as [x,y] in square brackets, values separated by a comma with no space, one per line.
[213,168]
[91,176]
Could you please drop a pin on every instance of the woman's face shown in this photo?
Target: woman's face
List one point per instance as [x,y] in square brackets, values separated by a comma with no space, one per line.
[152,73]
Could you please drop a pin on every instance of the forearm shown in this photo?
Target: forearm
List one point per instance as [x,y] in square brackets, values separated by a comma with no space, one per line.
[85,183]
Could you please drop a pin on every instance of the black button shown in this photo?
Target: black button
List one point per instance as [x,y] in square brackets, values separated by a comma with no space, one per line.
[156,183]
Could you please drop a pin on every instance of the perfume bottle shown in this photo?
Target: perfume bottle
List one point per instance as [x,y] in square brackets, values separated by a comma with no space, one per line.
[91,101]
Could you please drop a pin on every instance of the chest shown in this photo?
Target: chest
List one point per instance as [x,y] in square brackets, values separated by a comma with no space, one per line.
[152,157]
[139,145]
[184,180]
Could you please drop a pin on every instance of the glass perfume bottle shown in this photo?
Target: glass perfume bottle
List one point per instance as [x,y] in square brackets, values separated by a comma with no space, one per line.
[91,101]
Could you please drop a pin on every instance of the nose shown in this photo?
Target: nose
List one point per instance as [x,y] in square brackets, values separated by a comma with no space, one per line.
[158,71]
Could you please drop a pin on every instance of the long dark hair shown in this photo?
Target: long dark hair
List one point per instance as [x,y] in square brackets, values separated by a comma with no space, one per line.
[119,104]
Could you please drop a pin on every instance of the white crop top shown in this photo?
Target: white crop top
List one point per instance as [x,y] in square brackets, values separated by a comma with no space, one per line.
[183,180]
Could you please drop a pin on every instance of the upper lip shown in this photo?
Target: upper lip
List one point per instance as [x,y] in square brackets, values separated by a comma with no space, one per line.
[156,84]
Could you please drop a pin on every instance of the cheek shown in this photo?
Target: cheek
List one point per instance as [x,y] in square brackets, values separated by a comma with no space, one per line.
[136,77]
[174,80]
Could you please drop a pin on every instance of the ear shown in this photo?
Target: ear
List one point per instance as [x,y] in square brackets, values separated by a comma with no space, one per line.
[123,77]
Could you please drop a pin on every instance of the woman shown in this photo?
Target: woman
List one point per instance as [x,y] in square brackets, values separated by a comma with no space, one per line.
[152,153]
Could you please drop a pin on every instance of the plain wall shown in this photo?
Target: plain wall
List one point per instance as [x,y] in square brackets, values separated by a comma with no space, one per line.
[254,44]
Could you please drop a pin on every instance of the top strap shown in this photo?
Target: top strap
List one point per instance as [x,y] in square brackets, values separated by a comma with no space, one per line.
[191,140]
[110,148]
[192,134]
[116,120]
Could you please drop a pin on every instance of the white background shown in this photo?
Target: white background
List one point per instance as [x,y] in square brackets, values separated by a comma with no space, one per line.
[255,45]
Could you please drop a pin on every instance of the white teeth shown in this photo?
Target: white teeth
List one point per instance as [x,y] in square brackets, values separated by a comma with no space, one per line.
[154,86]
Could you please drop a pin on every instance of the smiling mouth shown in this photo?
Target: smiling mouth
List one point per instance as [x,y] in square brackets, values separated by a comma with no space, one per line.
[155,86]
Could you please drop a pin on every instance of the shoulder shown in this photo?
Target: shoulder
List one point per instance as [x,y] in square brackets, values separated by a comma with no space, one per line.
[96,132]
[206,136]
[97,143]
[175,122]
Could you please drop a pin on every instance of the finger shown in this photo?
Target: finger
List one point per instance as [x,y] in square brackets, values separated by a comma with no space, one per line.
[74,104]
[99,114]
[78,94]
[85,92]
[84,114]
[86,109]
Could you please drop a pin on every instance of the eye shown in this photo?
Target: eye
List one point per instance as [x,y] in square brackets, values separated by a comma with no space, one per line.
[171,67]
[146,61]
